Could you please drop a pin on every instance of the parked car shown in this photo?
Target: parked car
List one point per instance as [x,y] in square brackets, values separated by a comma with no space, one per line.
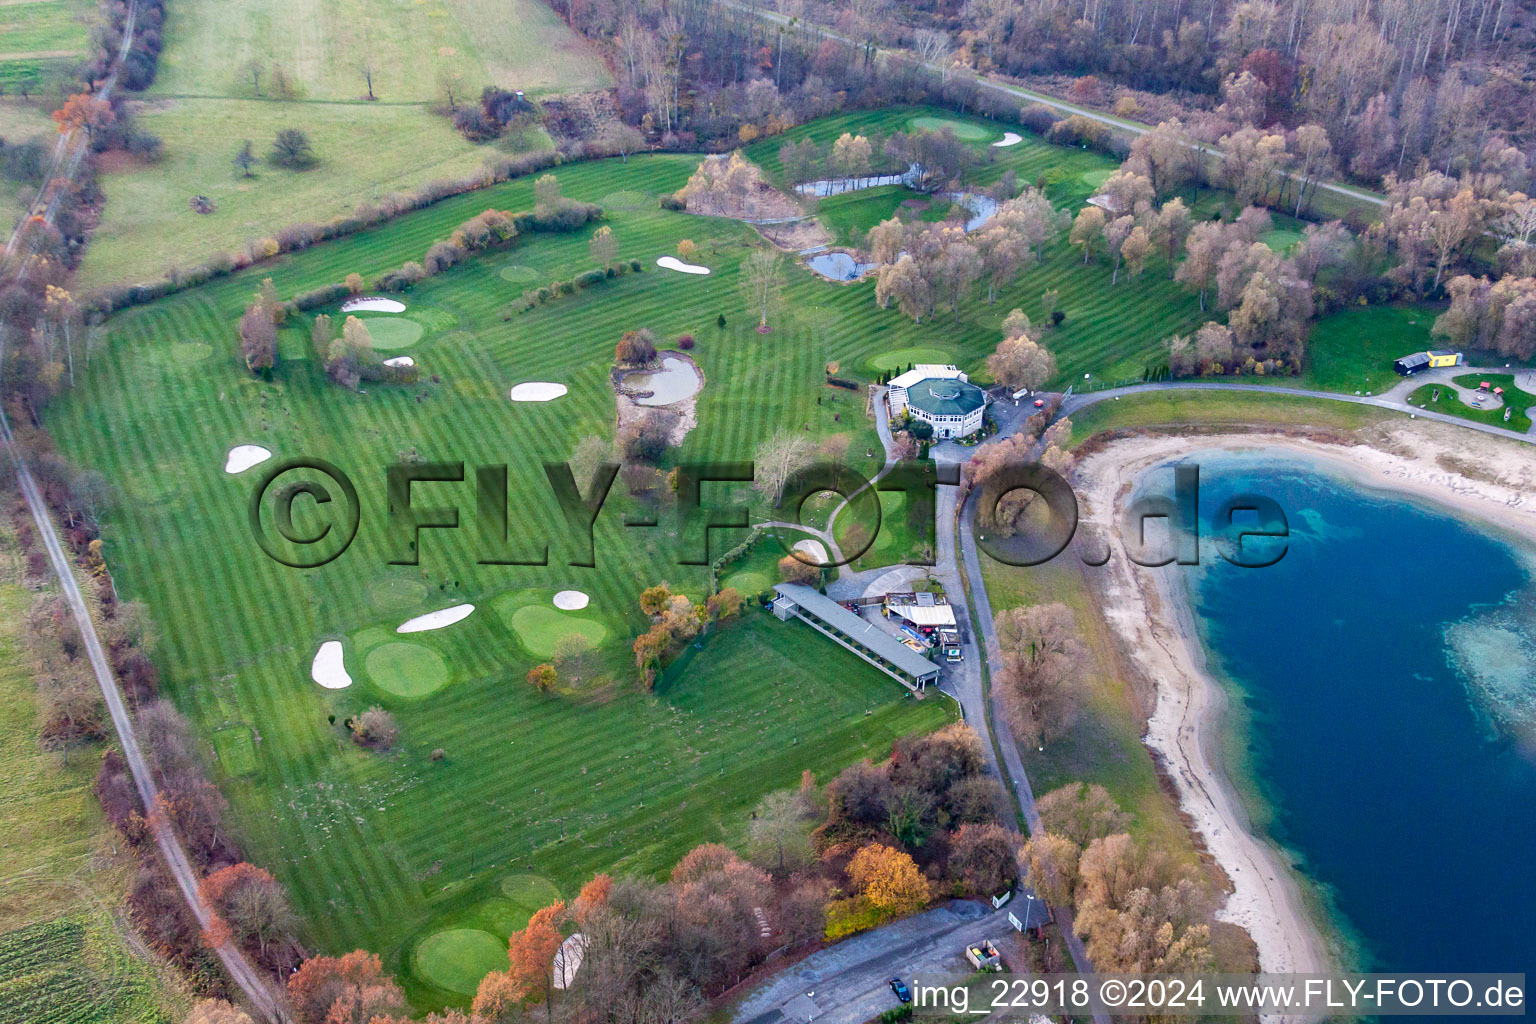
[952,654]
[902,991]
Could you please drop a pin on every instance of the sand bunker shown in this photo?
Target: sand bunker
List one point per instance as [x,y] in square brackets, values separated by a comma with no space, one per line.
[243,456]
[400,361]
[568,960]
[571,600]
[537,391]
[813,549]
[1008,139]
[673,263]
[437,619]
[374,304]
[328,668]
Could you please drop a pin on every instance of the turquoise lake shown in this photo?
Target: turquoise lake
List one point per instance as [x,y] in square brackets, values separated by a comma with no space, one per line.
[1383,681]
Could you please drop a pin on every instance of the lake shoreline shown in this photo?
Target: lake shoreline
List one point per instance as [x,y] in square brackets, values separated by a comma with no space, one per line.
[1153,618]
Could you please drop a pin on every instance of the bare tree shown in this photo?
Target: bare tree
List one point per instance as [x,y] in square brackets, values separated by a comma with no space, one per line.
[1042,659]
[779,458]
[762,281]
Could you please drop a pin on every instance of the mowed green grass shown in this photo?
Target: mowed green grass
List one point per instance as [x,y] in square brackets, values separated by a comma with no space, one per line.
[42,38]
[205,103]
[366,151]
[378,849]
[1452,404]
[324,48]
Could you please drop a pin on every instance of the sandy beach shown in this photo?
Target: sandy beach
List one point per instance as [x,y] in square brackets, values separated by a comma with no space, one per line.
[1473,475]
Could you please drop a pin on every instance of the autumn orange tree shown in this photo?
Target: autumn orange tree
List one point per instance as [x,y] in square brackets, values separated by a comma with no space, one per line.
[350,989]
[531,953]
[245,904]
[84,111]
[889,879]
[592,896]
[542,677]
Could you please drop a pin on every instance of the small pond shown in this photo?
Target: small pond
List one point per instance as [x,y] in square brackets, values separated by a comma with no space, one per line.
[675,381]
[839,266]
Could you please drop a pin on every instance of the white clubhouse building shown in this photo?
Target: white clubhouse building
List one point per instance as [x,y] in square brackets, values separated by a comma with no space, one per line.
[941,396]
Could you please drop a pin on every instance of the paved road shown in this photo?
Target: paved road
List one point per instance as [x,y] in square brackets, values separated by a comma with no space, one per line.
[1019,92]
[847,983]
[258,993]
[1393,398]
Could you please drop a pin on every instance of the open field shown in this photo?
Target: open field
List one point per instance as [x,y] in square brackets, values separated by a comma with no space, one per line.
[62,957]
[149,227]
[325,48]
[1196,408]
[206,101]
[40,39]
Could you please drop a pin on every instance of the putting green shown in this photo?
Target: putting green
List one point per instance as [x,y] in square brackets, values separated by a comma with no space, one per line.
[541,628]
[899,359]
[392,332]
[748,582]
[457,959]
[406,669]
[519,274]
[1096,178]
[527,894]
[393,596]
[968,132]
[235,747]
[1280,239]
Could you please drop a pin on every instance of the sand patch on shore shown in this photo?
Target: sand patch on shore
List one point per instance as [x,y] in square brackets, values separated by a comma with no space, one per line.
[1487,477]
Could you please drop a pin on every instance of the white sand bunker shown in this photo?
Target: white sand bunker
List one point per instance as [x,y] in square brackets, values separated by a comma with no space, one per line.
[815,550]
[1009,139]
[328,669]
[568,960]
[374,304]
[571,600]
[400,361]
[673,263]
[243,456]
[537,391]
[437,620]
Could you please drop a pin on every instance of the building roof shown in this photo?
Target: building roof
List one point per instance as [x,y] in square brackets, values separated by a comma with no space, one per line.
[922,609]
[1416,359]
[867,634]
[945,397]
[923,371]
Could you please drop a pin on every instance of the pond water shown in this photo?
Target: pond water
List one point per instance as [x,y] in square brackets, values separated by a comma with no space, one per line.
[983,208]
[675,381]
[838,266]
[1383,687]
[837,186]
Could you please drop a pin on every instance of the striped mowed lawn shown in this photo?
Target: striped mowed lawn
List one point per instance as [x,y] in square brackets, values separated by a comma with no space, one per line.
[375,849]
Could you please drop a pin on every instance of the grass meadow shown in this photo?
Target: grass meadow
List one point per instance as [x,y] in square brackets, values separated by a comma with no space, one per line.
[41,38]
[205,102]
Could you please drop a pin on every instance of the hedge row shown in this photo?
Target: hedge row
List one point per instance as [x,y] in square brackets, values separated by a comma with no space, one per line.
[586,279]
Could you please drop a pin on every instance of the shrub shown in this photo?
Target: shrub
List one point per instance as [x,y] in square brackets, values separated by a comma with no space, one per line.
[588,278]
[685,342]
[410,273]
[325,295]
[441,256]
[672,202]
[636,266]
[375,728]
[291,149]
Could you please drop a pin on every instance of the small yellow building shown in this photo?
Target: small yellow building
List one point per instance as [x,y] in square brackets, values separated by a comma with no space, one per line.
[1438,359]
